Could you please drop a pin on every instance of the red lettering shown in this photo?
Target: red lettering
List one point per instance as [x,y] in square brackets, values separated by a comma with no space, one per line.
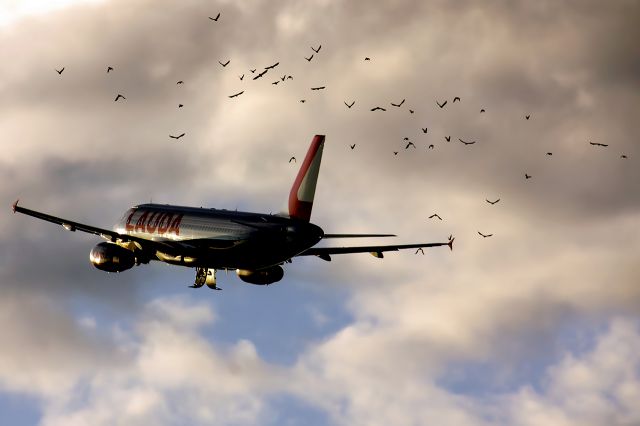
[152,228]
[140,223]
[162,224]
[175,225]
[128,226]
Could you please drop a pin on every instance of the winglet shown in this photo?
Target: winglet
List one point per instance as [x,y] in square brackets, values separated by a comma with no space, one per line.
[15,205]
[304,187]
[451,244]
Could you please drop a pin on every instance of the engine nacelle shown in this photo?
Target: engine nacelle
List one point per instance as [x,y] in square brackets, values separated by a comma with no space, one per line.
[111,257]
[261,276]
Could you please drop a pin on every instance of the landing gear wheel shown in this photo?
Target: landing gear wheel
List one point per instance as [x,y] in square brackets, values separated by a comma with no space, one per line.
[205,276]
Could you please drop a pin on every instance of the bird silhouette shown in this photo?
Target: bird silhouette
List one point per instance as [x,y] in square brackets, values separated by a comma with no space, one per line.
[467,143]
[397,105]
[119,97]
[236,94]
[431,146]
[349,105]
[457,98]
[353,146]
[482,110]
[367,59]
[289,77]
[241,77]
[276,82]
[405,138]
[424,129]
[177,137]
[309,58]
[216,18]
[318,88]
[180,105]
[252,70]
[316,50]
[411,111]
[527,117]
[292,159]
[436,215]
[409,144]
[283,78]
[378,109]
[395,152]
[549,153]
[526,176]
[623,156]
[272,66]
[180,82]
[225,64]
[302,101]
[598,144]
[260,74]
[59,71]
[448,138]
[420,250]
[441,105]
[109,69]
[483,235]
[492,202]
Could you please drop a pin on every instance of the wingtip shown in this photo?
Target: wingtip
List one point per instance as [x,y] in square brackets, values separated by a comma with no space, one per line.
[450,244]
[13,207]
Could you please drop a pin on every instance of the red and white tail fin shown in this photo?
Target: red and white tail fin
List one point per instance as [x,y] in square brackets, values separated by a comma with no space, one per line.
[304,187]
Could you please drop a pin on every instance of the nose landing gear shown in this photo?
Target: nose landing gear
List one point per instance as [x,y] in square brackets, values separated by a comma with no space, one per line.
[205,276]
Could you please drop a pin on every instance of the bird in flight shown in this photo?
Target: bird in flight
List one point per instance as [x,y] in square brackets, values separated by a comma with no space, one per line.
[119,97]
[276,82]
[302,101]
[225,64]
[526,176]
[272,66]
[448,138]
[435,215]
[397,105]
[283,78]
[316,50]
[598,144]
[425,129]
[623,156]
[467,143]
[411,111]
[483,235]
[349,105]
[260,74]
[318,88]
[180,82]
[109,69]
[420,251]
[395,152]
[353,146]
[252,70]
[378,109]
[292,159]
[549,153]
[177,137]
[236,94]
[441,105]
[482,110]
[59,71]
[241,77]
[367,58]
[180,105]
[457,98]
[492,202]
[431,146]
[216,18]
[409,144]
[528,116]
[309,58]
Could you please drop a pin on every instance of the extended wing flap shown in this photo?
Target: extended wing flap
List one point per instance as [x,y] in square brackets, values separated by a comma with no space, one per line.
[376,251]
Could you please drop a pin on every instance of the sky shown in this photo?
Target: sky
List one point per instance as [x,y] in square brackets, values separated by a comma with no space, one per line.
[538,324]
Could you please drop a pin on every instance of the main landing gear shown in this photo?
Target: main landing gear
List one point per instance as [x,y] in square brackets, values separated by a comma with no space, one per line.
[205,276]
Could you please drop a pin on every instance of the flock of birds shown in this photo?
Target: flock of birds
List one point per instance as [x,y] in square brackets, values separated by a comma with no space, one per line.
[316,51]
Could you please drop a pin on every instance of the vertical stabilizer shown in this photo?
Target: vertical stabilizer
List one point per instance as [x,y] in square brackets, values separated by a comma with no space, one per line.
[304,187]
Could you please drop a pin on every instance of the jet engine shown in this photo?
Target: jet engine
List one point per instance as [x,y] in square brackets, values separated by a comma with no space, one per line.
[261,276]
[111,257]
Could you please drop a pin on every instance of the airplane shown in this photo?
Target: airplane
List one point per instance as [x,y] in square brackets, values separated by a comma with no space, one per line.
[255,245]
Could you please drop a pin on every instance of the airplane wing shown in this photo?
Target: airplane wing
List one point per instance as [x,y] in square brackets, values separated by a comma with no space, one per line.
[104,233]
[326,252]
